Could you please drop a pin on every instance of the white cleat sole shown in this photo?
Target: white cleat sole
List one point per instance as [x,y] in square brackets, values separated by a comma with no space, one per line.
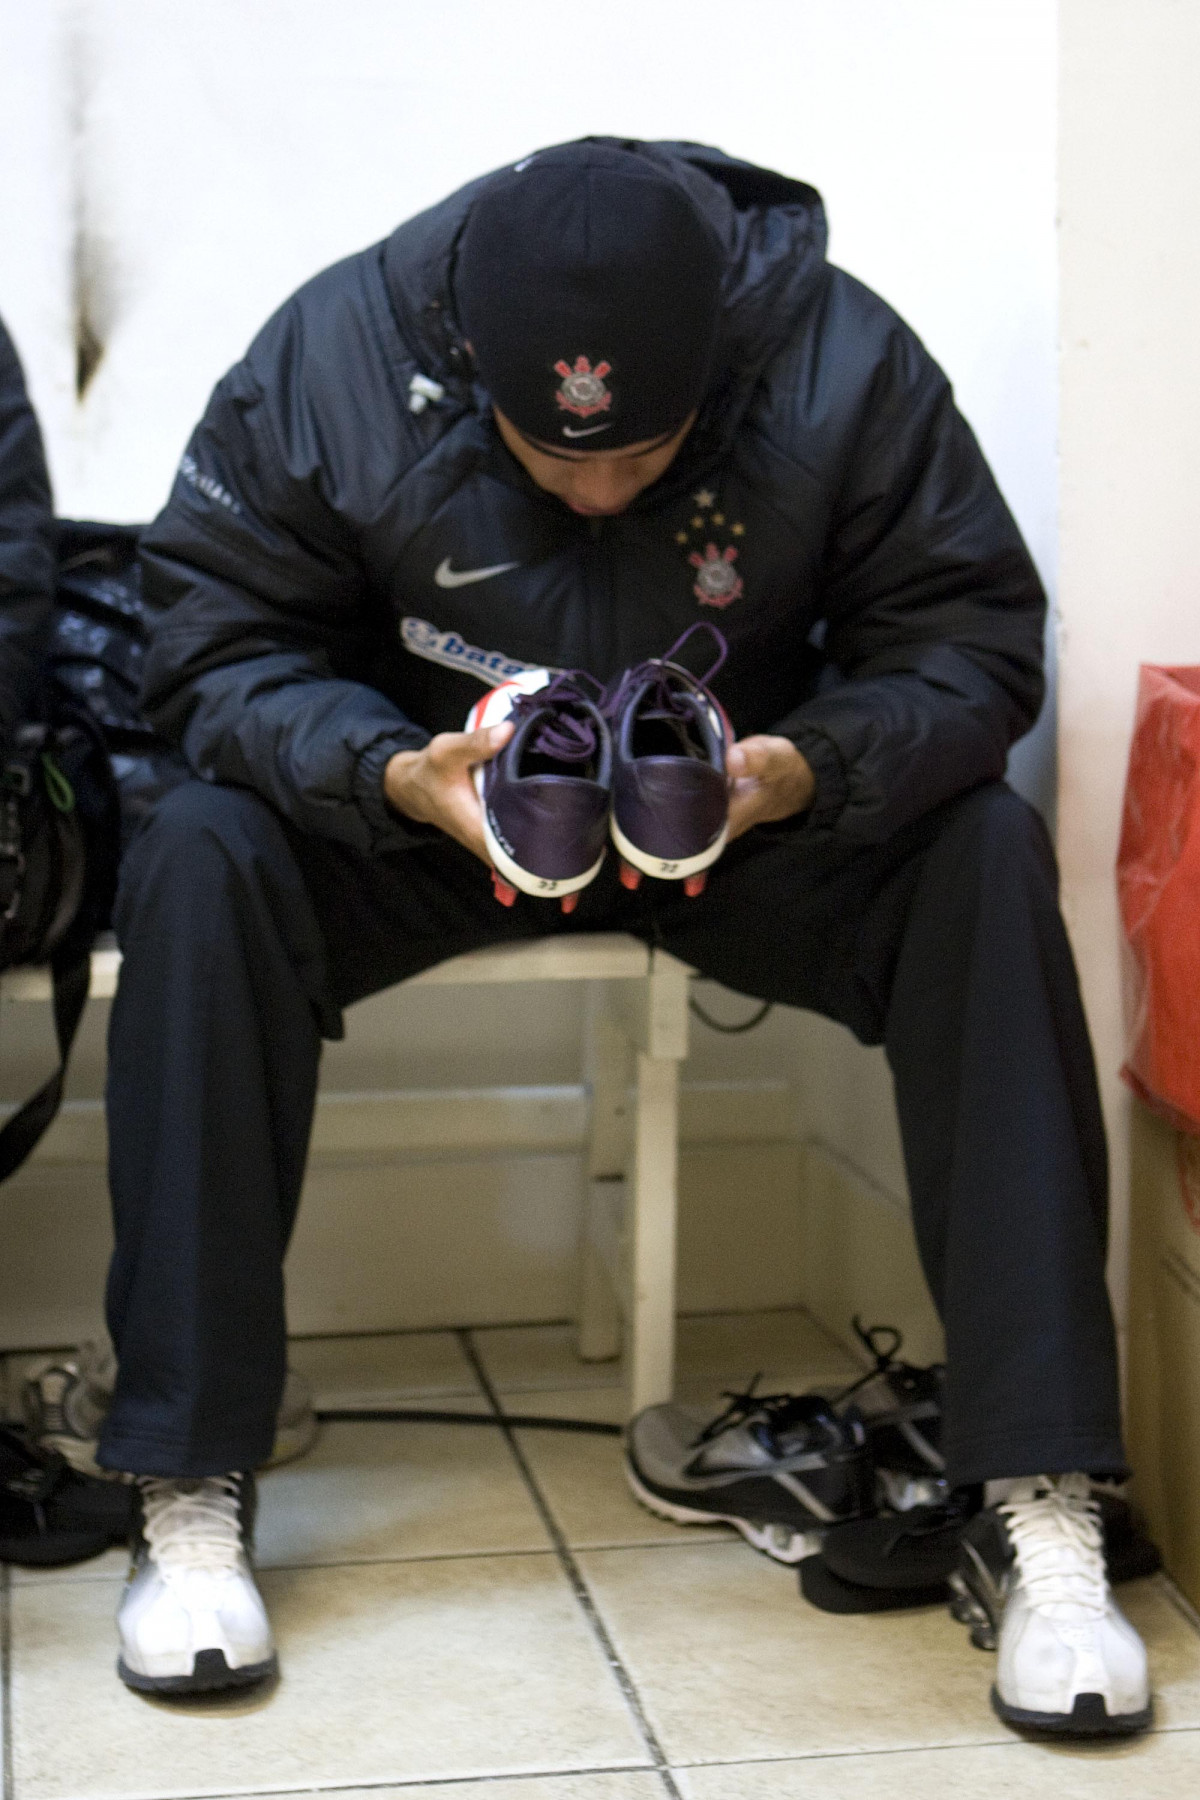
[662,868]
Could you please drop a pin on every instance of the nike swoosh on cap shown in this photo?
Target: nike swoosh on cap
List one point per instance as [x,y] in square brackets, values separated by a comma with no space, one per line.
[446,577]
[587,431]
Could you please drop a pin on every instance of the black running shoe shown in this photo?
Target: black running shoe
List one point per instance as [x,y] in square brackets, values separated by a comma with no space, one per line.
[780,1468]
[49,1514]
[896,1560]
[903,1560]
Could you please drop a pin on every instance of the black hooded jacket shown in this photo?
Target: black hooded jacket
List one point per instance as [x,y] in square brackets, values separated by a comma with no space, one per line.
[344,559]
[27,567]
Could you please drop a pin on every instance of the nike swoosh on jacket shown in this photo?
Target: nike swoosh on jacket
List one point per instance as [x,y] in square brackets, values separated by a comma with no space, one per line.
[446,577]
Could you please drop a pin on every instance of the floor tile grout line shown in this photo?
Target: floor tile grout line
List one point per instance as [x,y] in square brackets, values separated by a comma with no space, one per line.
[390,1785]
[6,1686]
[574,1575]
[1011,1741]
[731,1543]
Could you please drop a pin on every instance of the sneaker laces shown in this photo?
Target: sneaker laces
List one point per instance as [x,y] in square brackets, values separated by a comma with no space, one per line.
[884,1343]
[770,1414]
[192,1524]
[912,1393]
[1058,1542]
[566,733]
[667,704]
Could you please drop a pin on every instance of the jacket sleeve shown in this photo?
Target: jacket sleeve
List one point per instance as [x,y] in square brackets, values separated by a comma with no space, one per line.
[261,627]
[933,610]
[26,545]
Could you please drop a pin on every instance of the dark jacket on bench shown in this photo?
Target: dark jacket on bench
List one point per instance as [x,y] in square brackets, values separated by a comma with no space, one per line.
[27,566]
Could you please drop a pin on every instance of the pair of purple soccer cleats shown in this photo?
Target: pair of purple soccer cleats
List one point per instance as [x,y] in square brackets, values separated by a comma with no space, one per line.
[644,761]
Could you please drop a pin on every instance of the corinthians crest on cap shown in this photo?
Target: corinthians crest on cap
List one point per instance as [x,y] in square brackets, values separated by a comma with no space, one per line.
[582,390]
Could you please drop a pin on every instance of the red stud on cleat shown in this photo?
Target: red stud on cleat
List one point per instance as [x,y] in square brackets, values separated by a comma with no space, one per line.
[630,877]
[569,902]
[505,893]
[695,884]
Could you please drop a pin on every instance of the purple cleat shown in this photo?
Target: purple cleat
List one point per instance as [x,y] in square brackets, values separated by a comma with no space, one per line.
[545,796]
[670,798]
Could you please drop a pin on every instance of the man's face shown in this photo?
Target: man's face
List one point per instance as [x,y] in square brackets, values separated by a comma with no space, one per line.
[595,483]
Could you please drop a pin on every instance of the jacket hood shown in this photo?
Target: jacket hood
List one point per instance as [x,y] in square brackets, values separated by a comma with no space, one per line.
[774,229]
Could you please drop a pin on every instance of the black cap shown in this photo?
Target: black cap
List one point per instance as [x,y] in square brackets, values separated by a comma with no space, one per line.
[589,287]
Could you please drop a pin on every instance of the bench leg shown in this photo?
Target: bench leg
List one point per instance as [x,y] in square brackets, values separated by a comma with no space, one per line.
[651,1221]
[606,1071]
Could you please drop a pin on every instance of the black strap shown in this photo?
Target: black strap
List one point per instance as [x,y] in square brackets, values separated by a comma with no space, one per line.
[71,977]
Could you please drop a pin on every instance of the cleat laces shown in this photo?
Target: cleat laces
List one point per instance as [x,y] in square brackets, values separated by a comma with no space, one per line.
[192,1524]
[567,733]
[1059,1547]
[667,704]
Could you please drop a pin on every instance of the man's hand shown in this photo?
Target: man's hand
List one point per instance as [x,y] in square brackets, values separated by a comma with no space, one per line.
[771,780]
[434,786]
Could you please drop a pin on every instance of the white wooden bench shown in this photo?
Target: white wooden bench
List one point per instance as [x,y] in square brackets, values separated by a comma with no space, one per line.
[636,1035]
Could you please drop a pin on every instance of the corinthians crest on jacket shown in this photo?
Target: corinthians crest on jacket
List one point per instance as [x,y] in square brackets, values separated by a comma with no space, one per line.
[707,539]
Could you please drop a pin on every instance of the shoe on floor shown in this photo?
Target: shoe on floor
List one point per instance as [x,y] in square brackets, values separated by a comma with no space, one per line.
[907,1559]
[64,1403]
[1032,1582]
[545,796]
[191,1618]
[901,1404]
[49,1514]
[780,1468]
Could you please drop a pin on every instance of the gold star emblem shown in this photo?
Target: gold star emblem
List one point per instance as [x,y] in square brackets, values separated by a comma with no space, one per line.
[738,530]
[697,523]
[681,537]
[705,498]
[718,518]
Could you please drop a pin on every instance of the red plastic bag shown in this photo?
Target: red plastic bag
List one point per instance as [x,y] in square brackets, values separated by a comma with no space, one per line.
[1158,880]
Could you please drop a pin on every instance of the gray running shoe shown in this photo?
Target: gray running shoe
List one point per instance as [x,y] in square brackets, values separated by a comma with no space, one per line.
[779,1468]
[64,1404]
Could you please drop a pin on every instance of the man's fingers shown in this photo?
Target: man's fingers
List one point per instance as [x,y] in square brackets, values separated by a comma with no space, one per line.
[461,749]
[752,757]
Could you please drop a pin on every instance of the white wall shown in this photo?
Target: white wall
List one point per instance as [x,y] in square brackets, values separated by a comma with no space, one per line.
[1130,384]
[222,153]
[38,206]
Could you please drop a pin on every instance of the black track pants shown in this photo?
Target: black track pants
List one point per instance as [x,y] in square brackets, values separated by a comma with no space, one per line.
[243,941]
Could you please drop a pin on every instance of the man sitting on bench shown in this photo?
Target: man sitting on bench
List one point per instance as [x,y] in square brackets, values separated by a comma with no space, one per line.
[550,424]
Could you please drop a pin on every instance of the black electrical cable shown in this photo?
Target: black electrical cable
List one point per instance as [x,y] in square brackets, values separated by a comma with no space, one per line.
[756,1017]
[383,1415]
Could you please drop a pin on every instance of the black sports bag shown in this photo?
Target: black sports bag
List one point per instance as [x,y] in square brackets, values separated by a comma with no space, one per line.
[62,783]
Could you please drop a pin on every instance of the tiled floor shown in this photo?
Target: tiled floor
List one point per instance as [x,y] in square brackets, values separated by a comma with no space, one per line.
[465,1614]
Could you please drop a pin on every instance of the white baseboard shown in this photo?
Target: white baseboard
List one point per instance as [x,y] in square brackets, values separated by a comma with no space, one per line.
[454,1206]
[453,1121]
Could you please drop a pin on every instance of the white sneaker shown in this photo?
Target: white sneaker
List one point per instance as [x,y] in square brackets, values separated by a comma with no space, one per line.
[191,1617]
[1033,1585]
